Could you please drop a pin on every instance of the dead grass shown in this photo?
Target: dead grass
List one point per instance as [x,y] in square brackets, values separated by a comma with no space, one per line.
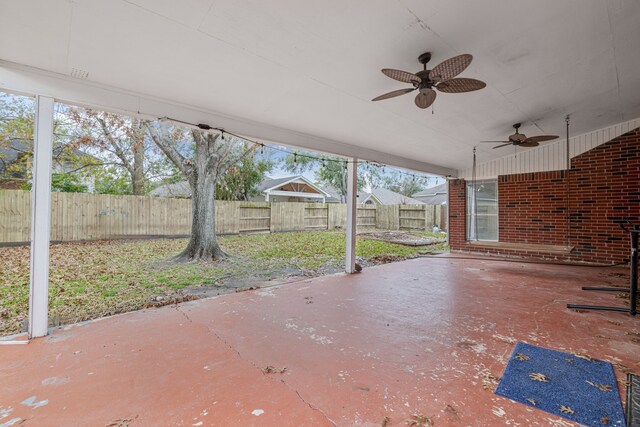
[90,280]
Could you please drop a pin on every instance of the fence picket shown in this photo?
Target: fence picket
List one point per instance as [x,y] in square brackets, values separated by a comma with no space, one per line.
[104,216]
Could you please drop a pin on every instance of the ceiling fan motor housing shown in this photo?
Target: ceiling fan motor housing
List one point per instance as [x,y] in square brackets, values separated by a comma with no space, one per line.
[517,137]
[425,83]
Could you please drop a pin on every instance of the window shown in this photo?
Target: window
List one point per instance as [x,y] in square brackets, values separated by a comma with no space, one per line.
[482,211]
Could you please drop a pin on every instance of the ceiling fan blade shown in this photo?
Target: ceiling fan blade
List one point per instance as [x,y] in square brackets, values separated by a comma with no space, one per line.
[495,142]
[528,144]
[394,93]
[450,68]
[401,76]
[425,99]
[460,85]
[502,145]
[540,138]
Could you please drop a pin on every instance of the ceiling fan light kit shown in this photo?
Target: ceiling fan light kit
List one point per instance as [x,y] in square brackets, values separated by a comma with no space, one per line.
[442,78]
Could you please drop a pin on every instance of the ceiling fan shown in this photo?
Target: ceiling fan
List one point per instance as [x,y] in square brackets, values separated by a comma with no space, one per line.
[520,140]
[441,77]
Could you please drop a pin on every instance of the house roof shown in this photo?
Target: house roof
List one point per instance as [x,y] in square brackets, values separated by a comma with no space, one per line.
[269,183]
[388,197]
[182,188]
[273,183]
[177,189]
[433,196]
[432,191]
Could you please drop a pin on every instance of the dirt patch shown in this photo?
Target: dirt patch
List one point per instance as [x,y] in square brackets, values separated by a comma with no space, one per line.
[402,238]
[386,259]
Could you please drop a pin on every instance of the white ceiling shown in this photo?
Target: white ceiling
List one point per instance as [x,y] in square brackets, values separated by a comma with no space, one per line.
[313,66]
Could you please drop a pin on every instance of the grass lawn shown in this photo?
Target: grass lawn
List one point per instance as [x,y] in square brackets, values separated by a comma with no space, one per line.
[90,280]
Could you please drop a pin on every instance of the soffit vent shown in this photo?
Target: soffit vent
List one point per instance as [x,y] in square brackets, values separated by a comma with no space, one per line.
[79,74]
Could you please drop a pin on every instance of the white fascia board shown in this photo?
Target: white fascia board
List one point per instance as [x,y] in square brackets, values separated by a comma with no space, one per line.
[296,194]
[365,199]
[27,80]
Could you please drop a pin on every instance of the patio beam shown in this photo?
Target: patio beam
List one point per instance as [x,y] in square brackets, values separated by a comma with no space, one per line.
[22,79]
[41,218]
[352,194]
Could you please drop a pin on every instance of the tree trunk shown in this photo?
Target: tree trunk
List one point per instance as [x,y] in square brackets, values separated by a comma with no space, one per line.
[137,175]
[137,172]
[213,157]
[203,244]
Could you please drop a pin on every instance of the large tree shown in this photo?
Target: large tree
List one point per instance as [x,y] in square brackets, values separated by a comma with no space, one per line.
[17,115]
[242,179]
[118,140]
[407,185]
[202,158]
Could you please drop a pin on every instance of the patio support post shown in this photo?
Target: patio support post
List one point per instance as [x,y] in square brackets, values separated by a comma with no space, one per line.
[352,193]
[41,218]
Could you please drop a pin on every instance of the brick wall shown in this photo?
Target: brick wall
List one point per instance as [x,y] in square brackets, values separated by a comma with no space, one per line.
[601,189]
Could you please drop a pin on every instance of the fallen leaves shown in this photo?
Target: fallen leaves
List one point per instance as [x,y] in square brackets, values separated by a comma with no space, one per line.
[566,410]
[508,340]
[121,422]
[489,381]
[521,356]
[273,370]
[583,356]
[536,376]
[601,387]
[101,278]
[532,401]
[419,420]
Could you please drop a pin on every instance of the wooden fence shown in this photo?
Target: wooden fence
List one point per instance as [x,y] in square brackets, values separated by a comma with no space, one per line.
[79,216]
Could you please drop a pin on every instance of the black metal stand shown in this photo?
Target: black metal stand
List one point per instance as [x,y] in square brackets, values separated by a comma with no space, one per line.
[633,285]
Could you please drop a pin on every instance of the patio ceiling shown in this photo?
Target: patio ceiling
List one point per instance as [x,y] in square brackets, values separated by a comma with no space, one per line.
[312,67]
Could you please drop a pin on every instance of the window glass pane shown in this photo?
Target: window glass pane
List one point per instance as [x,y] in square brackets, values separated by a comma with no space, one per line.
[482,211]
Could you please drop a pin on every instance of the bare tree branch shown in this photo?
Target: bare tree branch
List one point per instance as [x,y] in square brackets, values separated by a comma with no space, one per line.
[226,164]
[116,146]
[169,150]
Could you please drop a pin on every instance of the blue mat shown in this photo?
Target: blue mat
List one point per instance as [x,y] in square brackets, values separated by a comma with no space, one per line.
[580,389]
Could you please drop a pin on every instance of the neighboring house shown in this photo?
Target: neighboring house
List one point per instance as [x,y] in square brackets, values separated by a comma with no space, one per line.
[433,196]
[291,189]
[288,189]
[179,190]
[64,161]
[382,196]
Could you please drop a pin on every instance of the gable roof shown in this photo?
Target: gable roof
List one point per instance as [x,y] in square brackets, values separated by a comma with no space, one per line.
[182,188]
[433,196]
[432,191]
[273,183]
[388,197]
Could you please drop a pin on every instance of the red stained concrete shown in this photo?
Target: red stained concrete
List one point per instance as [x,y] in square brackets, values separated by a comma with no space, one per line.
[418,336]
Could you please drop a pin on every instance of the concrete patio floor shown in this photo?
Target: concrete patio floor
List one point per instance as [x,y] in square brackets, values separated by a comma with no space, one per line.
[428,336]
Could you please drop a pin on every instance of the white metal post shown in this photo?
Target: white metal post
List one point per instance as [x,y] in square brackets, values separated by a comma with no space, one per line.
[41,218]
[448,210]
[352,194]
